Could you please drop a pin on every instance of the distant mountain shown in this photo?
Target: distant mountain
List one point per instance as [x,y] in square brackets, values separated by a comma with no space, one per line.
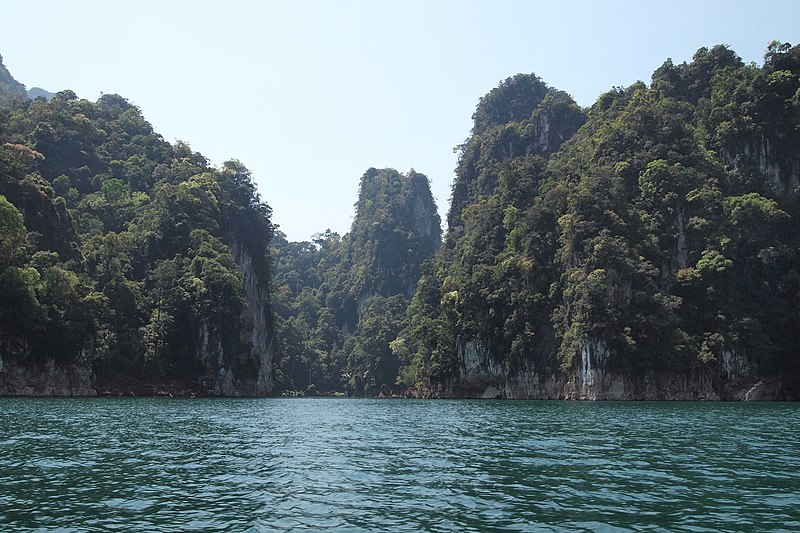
[9,87]
[36,92]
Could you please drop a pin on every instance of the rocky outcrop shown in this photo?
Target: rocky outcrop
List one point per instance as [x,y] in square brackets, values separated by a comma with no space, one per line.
[540,127]
[782,171]
[19,377]
[248,373]
[10,89]
[257,332]
[397,227]
[592,378]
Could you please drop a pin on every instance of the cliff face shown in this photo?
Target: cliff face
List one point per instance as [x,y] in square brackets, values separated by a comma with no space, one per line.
[593,378]
[127,256]
[20,377]
[547,120]
[342,301]
[395,228]
[780,167]
[46,379]
[10,89]
[250,372]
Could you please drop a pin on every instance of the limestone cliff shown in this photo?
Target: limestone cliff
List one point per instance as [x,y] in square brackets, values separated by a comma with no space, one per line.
[247,372]
[780,166]
[644,248]
[395,229]
[21,377]
[10,88]
[547,120]
[126,256]
[593,378]
[341,301]
[250,372]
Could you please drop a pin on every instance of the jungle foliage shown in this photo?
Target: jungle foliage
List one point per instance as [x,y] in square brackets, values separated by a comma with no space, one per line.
[118,248]
[341,301]
[663,220]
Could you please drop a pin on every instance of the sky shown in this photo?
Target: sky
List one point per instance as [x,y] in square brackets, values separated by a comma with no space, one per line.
[310,94]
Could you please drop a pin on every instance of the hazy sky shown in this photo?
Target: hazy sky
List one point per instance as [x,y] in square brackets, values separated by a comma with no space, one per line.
[309,94]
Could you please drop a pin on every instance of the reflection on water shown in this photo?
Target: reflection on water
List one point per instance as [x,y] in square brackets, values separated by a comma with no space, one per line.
[380,465]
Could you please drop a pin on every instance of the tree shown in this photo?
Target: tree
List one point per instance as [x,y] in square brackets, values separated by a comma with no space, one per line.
[13,235]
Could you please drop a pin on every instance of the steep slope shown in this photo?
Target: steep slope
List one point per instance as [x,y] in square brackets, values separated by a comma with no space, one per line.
[652,256]
[142,268]
[10,89]
[341,301]
[645,248]
[521,118]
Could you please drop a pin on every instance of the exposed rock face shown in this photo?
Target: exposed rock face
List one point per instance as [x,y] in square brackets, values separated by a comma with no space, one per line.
[47,378]
[9,87]
[245,374]
[396,228]
[730,378]
[426,219]
[250,372]
[782,171]
[257,325]
[547,119]
[398,276]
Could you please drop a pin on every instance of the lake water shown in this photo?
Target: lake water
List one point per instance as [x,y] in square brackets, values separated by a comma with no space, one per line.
[396,465]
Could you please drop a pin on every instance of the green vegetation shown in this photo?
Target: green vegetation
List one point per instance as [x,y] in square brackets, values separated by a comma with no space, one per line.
[340,301]
[665,227]
[119,249]
[656,230]
[10,89]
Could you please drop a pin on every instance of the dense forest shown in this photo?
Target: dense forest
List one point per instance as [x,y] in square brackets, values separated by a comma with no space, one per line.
[643,248]
[126,254]
[341,301]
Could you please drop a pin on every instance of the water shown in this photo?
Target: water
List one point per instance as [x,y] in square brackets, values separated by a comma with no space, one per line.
[382,465]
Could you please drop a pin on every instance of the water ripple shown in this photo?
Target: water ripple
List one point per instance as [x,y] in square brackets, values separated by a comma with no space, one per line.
[370,465]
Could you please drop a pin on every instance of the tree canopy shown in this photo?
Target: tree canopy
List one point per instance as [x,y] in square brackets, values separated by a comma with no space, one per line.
[119,247]
[662,225]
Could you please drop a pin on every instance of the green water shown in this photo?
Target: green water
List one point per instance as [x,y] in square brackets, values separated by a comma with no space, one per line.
[371,465]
